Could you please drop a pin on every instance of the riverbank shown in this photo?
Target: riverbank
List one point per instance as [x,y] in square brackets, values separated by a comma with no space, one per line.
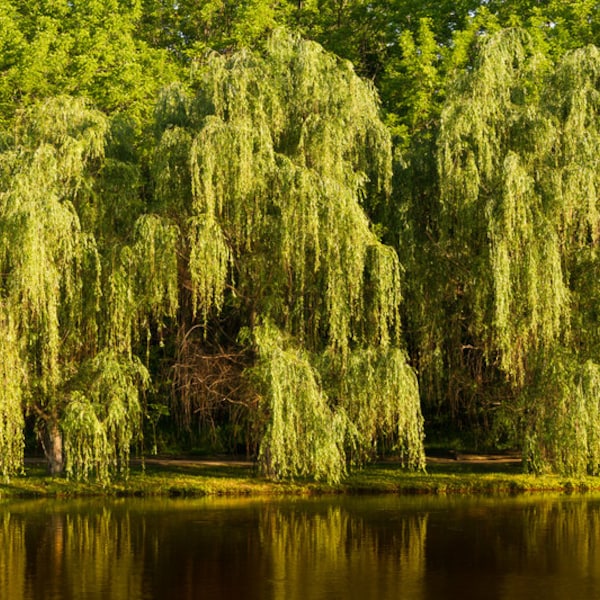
[192,477]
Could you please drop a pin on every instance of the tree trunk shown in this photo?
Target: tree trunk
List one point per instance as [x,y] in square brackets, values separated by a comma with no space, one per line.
[52,443]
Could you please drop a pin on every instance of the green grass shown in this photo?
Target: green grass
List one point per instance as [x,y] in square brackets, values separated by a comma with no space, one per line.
[195,478]
[456,478]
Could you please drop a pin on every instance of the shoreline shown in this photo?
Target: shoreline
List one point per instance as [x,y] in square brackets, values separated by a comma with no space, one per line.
[180,476]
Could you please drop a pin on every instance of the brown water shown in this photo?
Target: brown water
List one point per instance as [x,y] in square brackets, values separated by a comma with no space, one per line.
[346,548]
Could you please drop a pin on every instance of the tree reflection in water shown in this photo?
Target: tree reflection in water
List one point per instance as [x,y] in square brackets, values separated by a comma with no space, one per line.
[390,547]
[339,554]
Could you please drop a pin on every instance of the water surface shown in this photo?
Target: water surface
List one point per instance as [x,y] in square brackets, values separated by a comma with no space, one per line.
[361,547]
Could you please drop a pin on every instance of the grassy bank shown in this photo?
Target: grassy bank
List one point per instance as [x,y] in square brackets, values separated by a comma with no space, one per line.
[201,478]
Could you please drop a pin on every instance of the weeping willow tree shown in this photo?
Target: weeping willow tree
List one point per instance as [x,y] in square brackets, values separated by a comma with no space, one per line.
[273,162]
[517,158]
[69,304]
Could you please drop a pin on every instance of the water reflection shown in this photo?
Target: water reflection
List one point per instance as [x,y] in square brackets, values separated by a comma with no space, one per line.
[409,548]
[339,554]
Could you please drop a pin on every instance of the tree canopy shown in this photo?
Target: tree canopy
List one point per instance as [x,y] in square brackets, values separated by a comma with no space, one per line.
[308,231]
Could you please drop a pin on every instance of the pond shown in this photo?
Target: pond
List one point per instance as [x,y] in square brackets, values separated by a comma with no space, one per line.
[345,547]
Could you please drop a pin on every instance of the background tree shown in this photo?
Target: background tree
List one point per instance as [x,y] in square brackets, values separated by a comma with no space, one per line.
[89,49]
[190,28]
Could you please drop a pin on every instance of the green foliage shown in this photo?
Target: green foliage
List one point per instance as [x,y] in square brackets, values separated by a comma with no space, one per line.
[277,172]
[103,416]
[379,393]
[153,267]
[87,49]
[490,142]
[367,33]
[43,248]
[511,206]
[411,81]
[518,191]
[320,413]
[45,254]
[70,301]
[561,432]
[189,28]
[210,260]
[303,436]
[263,196]
[12,380]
